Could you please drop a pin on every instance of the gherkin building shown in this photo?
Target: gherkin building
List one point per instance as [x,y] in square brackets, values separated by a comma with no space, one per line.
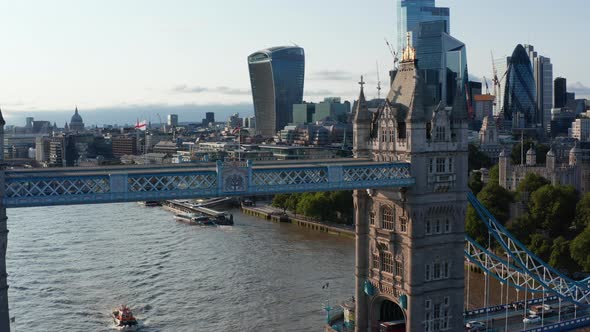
[520,90]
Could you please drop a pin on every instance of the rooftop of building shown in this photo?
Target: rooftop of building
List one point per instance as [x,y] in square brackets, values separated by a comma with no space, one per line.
[487,97]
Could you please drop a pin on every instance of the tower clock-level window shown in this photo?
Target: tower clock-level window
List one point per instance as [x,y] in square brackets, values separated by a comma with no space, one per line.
[387,218]
[383,134]
[387,262]
[391,137]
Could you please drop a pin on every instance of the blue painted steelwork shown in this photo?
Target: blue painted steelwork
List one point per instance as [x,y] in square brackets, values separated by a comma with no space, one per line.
[116,184]
[568,325]
[533,274]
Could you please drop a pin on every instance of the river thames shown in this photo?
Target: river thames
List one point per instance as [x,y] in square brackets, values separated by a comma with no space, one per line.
[69,266]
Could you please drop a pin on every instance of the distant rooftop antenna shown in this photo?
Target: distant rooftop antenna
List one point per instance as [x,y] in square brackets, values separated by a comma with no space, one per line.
[378,82]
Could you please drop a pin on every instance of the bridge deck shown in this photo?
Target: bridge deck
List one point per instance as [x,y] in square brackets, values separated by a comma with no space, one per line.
[61,186]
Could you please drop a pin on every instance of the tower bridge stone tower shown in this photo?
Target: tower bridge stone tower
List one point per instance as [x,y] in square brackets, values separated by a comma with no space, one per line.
[409,242]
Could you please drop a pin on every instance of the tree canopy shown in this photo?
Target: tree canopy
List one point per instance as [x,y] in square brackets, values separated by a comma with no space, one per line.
[531,183]
[579,249]
[553,208]
[583,212]
[497,200]
[477,159]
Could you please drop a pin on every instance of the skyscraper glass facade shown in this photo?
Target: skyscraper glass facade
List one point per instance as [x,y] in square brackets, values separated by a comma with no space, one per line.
[560,99]
[442,60]
[543,74]
[410,13]
[520,94]
[276,77]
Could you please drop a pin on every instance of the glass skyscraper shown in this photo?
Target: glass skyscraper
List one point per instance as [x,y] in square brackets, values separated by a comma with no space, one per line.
[276,76]
[442,60]
[410,13]
[520,94]
[543,74]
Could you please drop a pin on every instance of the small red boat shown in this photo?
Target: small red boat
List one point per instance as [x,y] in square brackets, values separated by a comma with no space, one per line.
[123,317]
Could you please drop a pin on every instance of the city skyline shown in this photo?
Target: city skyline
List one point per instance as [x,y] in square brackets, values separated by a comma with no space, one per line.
[135,55]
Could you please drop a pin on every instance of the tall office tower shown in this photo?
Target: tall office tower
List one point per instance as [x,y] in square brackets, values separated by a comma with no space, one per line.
[443,62]
[520,94]
[172,120]
[410,13]
[560,97]
[210,117]
[501,65]
[276,76]
[543,74]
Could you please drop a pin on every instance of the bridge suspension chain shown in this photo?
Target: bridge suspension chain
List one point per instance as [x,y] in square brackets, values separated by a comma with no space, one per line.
[528,271]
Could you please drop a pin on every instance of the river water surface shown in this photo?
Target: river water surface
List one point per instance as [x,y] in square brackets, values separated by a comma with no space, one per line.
[69,266]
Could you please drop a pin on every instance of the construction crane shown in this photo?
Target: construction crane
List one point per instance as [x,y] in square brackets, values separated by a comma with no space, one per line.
[161,124]
[497,81]
[487,87]
[378,82]
[393,54]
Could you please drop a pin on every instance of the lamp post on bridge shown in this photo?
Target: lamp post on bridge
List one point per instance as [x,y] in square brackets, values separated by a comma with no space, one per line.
[4,315]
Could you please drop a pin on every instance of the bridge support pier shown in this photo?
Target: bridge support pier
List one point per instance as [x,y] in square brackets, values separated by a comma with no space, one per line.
[4,314]
[361,256]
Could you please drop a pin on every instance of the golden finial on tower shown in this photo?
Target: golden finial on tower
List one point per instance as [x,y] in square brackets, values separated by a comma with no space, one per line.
[409,52]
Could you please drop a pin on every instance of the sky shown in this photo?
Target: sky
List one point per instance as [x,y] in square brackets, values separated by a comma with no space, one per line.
[118,60]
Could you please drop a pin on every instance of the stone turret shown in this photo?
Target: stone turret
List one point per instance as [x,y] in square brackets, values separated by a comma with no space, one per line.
[575,155]
[550,163]
[531,157]
[361,126]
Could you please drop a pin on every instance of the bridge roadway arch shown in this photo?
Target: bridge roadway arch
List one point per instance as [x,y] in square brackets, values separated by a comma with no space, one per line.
[67,186]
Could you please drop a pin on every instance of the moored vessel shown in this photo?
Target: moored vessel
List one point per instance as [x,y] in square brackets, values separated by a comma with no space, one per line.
[184,217]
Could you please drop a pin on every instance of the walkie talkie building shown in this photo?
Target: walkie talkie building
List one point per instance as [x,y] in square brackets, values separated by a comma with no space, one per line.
[276,76]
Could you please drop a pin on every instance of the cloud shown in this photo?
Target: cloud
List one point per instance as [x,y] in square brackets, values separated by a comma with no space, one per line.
[320,93]
[332,75]
[475,78]
[579,88]
[186,89]
[225,90]
[231,91]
